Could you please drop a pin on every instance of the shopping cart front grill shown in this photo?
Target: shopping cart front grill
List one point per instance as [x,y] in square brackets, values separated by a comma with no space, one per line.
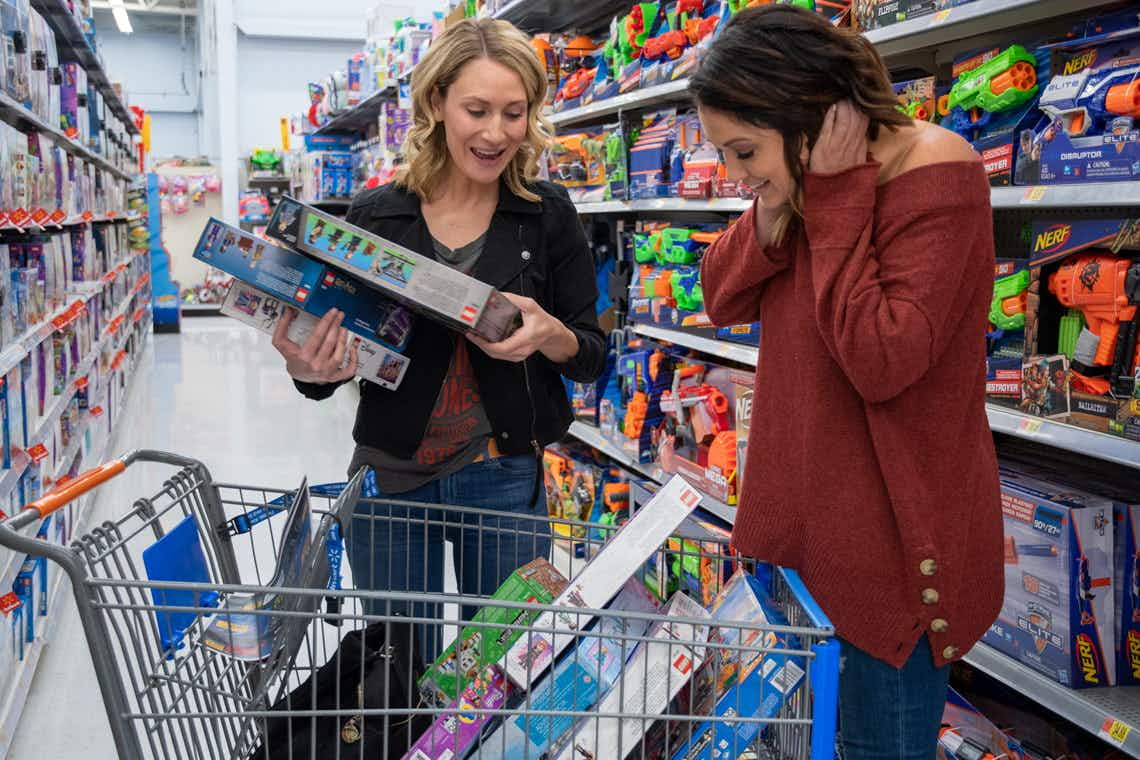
[179,679]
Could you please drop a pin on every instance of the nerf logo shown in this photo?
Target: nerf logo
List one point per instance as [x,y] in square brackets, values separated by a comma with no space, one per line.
[1134,653]
[1086,653]
[1080,63]
[1053,238]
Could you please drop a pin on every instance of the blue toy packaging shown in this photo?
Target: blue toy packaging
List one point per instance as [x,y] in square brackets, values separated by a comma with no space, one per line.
[303,283]
[1127,580]
[578,680]
[1058,616]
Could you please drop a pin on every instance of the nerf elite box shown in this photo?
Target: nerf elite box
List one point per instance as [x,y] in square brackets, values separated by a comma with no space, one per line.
[530,656]
[1082,304]
[304,284]
[1058,614]
[577,682]
[656,673]
[420,282]
[376,363]
[458,729]
[1087,130]
[748,684]
[1127,580]
[484,641]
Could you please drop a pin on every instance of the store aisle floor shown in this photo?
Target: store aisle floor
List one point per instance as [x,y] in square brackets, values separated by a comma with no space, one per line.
[217,392]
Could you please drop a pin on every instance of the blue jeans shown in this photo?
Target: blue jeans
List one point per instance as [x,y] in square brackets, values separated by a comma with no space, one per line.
[399,548]
[886,713]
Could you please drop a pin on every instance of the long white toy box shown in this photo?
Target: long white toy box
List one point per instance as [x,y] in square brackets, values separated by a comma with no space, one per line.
[304,284]
[599,581]
[420,282]
[375,363]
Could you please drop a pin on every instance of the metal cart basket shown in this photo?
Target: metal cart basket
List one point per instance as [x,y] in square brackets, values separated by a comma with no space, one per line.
[178,679]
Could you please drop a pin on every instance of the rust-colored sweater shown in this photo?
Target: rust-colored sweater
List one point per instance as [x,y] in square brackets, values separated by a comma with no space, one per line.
[871,466]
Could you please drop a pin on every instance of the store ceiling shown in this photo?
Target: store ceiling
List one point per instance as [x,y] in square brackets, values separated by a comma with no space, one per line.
[152,16]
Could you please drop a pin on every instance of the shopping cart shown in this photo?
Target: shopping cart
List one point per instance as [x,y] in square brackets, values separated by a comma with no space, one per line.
[173,689]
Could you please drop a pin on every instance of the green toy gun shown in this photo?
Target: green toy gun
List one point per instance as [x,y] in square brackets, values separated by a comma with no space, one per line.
[672,245]
[999,84]
[1007,308]
[687,289]
[735,6]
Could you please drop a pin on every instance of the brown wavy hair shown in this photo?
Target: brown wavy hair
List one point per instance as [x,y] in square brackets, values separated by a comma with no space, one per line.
[781,67]
[425,147]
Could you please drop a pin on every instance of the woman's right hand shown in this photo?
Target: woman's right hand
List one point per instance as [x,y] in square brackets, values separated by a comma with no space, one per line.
[319,359]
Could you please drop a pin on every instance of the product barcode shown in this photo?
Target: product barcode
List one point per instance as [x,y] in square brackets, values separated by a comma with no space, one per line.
[788,677]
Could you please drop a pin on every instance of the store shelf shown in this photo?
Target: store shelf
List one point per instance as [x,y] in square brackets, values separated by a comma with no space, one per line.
[722,349]
[544,15]
[1091,709]
[1068,437]
[1098,194]
[15,114]
[972,19]
[665,205]
[361,116]
[650,96]
[201,309]
[73,46]
[591,436]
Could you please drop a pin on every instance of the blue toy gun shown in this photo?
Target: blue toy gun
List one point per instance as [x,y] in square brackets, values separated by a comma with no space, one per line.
[1088,101]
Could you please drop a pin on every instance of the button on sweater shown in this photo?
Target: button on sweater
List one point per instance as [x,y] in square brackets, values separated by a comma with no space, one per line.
[871,466]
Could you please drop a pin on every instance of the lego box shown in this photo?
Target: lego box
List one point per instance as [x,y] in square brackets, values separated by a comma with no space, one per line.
[482,643]
[376,363]
[1058,614]
[422,283]
[458,729]
[304,284]
[602,577]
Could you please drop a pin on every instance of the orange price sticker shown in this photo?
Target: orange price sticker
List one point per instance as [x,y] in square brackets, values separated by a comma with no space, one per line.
[1115,731]
[96,411]
[1034,194]
[1029,426]
[941,17]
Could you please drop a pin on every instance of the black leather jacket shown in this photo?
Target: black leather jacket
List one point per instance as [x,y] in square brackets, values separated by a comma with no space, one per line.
[537,250]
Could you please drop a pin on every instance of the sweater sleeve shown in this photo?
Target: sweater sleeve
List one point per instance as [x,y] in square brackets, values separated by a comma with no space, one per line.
[734,271]
[885,307]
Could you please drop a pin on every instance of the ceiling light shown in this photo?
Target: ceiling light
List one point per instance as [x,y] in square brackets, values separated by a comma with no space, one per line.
[122,20]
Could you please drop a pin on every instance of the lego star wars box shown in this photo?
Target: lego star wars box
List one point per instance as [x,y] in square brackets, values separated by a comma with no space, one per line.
[485,640]
[421,283]
[304,284]
[1058,616]
[602,577]
[376,363]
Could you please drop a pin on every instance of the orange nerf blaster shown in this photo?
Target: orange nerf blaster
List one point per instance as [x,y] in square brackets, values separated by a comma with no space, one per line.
[1106,290]
[668,45]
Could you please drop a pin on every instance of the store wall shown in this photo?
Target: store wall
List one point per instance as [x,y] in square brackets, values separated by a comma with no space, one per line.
[159,72]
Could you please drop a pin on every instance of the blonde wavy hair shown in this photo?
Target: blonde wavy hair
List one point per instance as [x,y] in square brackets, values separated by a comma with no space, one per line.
[425,147]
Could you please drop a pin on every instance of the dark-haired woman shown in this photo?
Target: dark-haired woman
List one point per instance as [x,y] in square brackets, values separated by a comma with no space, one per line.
[868,258]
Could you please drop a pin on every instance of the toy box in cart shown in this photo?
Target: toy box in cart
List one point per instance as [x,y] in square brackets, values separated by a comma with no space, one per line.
[375,362]
[420,282]
[1058,613]
[304,284]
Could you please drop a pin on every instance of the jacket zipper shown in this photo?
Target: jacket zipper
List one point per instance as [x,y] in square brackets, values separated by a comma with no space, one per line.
[530,397]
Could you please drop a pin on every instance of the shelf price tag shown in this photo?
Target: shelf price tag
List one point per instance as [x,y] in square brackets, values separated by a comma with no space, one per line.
[1034,194]
[941,17]
[1029,426]
[1114,731]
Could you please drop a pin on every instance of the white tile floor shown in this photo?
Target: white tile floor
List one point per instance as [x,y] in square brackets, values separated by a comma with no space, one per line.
[217,392]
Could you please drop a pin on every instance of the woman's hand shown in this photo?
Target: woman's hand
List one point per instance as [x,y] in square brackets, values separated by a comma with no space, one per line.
[319,359]
[842,141]
[539,332]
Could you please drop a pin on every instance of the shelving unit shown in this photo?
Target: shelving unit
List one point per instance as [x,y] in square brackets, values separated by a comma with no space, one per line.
[666,205]
[73,46]
[650,96]
[357,118]
[15,114]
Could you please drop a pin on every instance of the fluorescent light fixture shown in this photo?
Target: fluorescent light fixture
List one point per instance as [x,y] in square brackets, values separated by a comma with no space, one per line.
[122,20]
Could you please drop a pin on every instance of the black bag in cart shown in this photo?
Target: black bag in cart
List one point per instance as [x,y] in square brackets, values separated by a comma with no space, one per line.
[375,668]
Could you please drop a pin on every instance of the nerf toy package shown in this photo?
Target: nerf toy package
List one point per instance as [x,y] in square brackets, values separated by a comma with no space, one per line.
[422,283]
[667,288]
[966,732]
[1127,580]
[304,284]
[748,684]
[1083,302]
[576,160]
[745,387]
[656,673]
[376,363]
[603,576]
[1058,615]
[1005,340]
[583,489]
[577,682]
[916,98]
[481,644]
[458,729]
[644,373]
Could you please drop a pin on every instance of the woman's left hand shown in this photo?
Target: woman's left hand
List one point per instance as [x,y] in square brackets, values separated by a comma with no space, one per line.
[539,332]
[842,141]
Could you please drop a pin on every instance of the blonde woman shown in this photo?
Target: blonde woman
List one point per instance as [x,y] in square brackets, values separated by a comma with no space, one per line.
[470,420]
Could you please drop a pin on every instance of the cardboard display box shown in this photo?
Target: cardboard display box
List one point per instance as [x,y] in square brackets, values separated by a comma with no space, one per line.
[420,282]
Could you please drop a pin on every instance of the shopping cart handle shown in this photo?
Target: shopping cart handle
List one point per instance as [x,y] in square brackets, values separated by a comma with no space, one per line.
[73,489]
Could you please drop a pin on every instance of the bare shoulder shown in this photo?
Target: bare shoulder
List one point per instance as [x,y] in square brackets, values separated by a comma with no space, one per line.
[934,145]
